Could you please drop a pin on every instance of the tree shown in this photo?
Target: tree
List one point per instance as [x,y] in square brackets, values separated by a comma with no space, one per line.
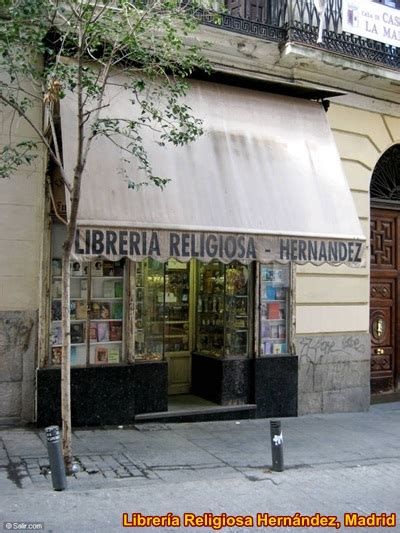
[55,46]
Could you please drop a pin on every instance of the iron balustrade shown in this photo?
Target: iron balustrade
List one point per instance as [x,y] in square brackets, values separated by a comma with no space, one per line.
[297,21]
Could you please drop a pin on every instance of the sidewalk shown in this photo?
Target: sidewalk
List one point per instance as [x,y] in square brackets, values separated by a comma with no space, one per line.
[156,453]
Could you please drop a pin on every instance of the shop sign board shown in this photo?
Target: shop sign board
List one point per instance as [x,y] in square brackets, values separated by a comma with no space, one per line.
[372,20]
[162,245]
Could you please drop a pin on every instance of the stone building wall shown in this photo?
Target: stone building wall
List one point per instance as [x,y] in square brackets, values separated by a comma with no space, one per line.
[332,303]
[21,222]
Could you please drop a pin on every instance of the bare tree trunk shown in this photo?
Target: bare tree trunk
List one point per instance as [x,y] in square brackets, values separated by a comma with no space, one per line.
[66,361]
[66,279]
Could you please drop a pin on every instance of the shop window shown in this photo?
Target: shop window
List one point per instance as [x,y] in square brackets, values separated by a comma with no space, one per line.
[96,308]
[149,315]
[274,309]
[222,321]
[162,324]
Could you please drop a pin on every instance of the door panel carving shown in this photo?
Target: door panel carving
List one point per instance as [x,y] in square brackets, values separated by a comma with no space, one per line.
[383,298]
[383,242]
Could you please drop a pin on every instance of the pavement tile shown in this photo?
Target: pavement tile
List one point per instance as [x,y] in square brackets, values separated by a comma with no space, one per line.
[317,444]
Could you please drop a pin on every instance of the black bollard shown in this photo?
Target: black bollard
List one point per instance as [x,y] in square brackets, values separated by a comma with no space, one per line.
[276,445]
[57,466]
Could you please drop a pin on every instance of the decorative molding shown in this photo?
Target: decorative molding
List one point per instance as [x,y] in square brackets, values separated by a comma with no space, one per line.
[297,21]
[385,182]
[382,242]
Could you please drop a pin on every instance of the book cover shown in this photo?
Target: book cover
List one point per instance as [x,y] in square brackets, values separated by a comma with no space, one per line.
[84,288]
[265,329]
[280,293]
[270,292]
[97,268]
[115,331]
[108,268]
[113,355]
[77,334]
[56,267]
[277,348]
[72,309]
[56,289]
[273,310]
[274,332]
[103,334]
[267,347]
[282,331]
[80,310]
[93,332]
[74,355]
[267,273]
[264,310]
[278,275]
[119,288]
[105,311]
[76,269]
[56,354]
[101,355]
[56,311]
[117,310]
[56,334]
[109,289]
[95,310]
[282,312]
[118,268]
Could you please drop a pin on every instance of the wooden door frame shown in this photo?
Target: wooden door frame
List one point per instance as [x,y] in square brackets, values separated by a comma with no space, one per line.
[387,207]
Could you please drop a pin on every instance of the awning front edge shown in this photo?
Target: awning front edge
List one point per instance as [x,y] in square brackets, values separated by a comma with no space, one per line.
[116,243]
[264,183]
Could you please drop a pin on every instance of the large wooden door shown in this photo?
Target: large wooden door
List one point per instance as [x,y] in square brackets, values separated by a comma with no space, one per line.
[384,300]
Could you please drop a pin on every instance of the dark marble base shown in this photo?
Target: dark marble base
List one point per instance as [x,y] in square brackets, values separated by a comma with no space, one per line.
[103,395]
[222,381]
[276,386]
[151,387]
[114,395]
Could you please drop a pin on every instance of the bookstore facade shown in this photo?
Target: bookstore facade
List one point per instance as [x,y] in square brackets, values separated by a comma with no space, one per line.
[189,290]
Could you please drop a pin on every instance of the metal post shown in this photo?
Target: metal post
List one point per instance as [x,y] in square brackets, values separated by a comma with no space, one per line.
[276,445]
[57,466]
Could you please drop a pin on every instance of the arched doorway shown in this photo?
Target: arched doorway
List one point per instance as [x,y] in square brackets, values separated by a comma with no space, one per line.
[385,273]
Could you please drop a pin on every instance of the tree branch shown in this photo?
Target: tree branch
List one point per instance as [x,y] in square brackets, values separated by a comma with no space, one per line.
[54,203]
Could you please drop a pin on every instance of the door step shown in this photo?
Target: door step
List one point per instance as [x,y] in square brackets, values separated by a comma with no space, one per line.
[385,397]
[220,412]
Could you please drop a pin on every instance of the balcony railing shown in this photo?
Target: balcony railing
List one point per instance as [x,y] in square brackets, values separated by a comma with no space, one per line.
[297,21]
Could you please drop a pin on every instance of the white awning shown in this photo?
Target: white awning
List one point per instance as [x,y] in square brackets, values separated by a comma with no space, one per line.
[265,178]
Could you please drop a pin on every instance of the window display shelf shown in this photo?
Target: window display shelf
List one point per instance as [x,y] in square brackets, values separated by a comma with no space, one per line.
[71,299]
[114,278]
[106,320]
[96,311]
[162,310]
[221,302]
[274,294]
[72,344]
[105,342]
[74,320]
[99,299]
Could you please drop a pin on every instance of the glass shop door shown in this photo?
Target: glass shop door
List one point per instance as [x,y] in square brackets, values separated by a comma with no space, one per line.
[178,314]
